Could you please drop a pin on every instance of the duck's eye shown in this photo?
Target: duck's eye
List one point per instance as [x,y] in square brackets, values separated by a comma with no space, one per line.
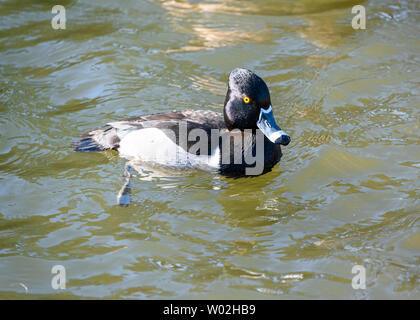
[247,100]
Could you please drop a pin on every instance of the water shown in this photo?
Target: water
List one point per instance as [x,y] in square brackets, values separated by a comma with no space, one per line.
[345,193]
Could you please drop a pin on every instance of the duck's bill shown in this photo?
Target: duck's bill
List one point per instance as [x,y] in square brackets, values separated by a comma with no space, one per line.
[270,128]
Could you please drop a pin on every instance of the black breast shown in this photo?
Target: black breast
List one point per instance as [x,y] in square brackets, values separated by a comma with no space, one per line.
[245,154]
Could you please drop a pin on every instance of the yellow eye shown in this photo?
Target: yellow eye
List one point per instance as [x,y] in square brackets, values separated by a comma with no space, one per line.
[246,100]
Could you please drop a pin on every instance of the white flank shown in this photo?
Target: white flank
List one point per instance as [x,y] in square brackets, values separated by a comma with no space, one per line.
[153,145]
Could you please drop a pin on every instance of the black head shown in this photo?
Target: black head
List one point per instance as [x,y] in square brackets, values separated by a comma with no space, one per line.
[248,106]
[247,94]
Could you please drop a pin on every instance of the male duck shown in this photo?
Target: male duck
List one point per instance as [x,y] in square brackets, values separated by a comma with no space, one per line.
[230,142]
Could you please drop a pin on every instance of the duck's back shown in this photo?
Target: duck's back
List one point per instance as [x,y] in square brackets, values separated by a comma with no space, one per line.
[163,138]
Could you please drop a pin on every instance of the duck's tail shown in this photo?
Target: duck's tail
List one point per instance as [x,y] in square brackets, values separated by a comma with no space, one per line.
[97,140]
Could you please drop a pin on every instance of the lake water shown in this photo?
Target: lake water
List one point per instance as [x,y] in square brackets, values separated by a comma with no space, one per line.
[346,192]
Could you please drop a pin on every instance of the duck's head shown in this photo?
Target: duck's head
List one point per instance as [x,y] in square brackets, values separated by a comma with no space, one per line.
[248,106]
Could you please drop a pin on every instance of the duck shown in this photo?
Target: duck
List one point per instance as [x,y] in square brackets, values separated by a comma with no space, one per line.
[244,140]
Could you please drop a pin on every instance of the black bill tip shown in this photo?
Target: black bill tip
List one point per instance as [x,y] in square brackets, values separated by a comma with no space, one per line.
[284,140]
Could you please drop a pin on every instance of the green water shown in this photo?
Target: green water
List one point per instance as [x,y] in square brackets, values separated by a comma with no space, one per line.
[345,193]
